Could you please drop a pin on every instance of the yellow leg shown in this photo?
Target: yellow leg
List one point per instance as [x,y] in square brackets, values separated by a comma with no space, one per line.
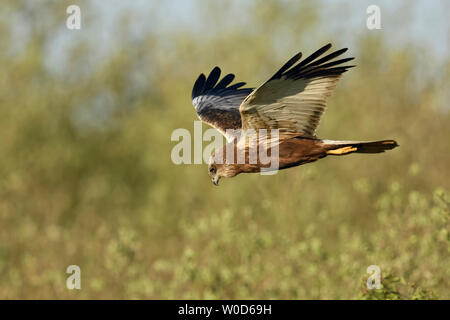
[342,151]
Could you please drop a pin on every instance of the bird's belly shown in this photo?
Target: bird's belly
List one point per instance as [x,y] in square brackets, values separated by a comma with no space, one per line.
[298,151]
[289,153]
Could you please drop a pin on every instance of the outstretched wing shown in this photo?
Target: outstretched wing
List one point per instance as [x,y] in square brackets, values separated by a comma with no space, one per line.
[294,98]
[217,103]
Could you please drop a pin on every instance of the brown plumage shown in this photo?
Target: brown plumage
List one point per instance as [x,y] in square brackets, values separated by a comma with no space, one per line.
[285,110]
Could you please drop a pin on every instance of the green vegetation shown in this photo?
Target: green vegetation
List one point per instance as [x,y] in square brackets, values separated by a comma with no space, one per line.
[86,176]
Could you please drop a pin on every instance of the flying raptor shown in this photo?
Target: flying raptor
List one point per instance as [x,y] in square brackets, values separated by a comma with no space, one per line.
[291,101]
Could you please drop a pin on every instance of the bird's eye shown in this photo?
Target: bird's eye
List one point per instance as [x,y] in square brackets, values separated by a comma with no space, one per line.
[212,169]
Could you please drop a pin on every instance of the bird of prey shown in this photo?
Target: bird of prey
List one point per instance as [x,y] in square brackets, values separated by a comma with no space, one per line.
[291,101]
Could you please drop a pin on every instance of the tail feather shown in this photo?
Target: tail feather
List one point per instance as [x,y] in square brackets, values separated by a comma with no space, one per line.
[346,147]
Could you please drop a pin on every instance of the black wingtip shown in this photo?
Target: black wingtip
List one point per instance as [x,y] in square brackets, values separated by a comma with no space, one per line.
[205,84]
[237,85]
[286,66]
[225,81]
[215,70]
[213,77]
[315,64]
[198,85]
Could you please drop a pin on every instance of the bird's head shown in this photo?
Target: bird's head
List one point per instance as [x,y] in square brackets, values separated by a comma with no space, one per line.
[218,168]
[214,174]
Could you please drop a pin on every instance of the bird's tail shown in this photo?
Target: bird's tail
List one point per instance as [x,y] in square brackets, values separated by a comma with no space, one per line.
[339,148]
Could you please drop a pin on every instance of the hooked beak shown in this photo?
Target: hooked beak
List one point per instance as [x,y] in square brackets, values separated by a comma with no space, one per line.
[215,180]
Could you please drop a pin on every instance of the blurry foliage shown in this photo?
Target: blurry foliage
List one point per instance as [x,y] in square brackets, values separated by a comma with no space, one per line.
[86,176]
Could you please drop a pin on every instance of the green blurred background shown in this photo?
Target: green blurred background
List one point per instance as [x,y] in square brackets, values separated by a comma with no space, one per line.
[86,176]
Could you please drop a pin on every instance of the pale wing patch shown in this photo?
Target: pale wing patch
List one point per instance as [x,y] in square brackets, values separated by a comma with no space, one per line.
[288,105]
[294,99]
